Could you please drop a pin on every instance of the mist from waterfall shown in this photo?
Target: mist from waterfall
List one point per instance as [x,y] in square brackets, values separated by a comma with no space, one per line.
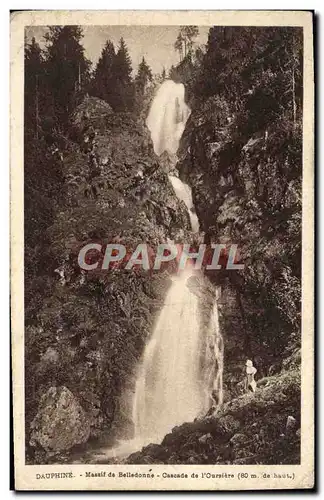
[182,363]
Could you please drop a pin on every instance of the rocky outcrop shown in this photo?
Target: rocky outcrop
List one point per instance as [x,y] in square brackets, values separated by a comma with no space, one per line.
[246,191]
[97,322]
[60,422]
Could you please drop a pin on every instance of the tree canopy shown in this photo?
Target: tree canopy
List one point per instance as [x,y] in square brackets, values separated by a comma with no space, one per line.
[104,80]
[185,40]
[144,75]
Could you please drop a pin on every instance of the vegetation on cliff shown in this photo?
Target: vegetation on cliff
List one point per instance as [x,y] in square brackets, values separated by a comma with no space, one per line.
[242,154]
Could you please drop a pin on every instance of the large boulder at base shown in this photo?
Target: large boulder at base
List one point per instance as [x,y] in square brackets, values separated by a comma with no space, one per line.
[60,422]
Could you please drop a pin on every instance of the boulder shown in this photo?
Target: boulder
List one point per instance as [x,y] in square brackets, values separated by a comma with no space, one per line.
[291,424]
[205,439]
[60,422]
[228,424]
[50,356]
[89,110]
[238,440]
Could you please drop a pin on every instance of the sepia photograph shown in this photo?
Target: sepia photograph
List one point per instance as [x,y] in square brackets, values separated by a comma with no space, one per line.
[164,178]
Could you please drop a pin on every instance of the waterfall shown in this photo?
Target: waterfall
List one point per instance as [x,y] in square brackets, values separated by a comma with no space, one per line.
[167,117]
[180,375]
[213,361]
[166,121]
[183,192]
[168,390]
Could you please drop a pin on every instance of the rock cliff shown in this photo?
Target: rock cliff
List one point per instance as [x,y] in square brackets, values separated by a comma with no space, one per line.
[97,322]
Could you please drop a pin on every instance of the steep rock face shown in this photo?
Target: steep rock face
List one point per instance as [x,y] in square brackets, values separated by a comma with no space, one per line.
[247,191]
[92,326]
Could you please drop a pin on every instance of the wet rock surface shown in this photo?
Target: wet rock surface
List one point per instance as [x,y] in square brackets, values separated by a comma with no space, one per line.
[242,197]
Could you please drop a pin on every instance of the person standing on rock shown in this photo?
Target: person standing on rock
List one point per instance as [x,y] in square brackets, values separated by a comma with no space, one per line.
[250,383]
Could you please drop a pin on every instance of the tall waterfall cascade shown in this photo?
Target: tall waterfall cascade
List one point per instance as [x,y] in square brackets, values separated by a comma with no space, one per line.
[180,375]
[168,391]
[166,121]
[167,117]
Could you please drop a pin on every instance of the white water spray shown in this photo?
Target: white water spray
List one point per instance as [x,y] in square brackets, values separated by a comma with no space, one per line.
[174,383]
[166,121]
[167,117]
[183,192]
[168,390]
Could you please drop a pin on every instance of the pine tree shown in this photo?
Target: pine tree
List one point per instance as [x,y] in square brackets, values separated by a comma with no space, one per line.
[189,33]
[67,69]
[144,76]
[178,46]
[104,83]
[42,171]
[185,40]
[34,80]
[123,63]
[124,92]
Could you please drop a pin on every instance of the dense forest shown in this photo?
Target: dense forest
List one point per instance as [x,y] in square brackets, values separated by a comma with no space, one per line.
[91,175]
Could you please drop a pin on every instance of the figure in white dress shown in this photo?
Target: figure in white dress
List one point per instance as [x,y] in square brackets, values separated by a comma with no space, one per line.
[250,383]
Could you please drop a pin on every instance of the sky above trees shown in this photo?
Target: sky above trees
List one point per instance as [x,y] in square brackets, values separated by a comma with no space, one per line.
[155,43]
